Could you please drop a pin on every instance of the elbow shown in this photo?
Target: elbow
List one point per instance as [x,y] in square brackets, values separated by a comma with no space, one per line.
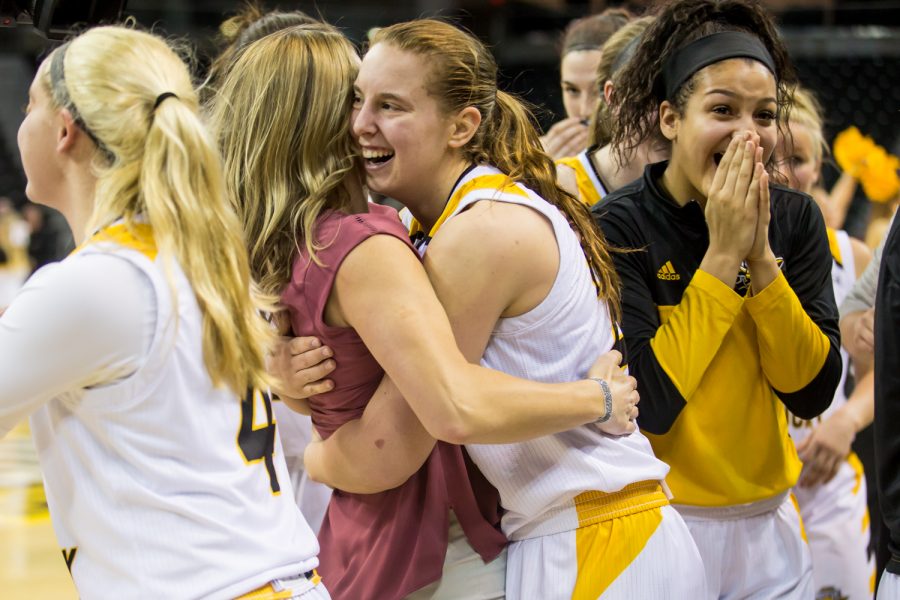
[458,423]
[813,399]
[454,430]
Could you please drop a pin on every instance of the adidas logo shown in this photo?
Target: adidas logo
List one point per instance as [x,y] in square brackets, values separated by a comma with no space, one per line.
[667,272]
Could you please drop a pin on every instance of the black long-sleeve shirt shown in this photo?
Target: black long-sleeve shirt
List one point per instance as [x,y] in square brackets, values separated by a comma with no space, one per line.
[887,391]
[714,365]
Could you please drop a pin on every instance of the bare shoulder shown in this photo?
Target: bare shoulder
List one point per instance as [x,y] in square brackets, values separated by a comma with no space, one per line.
[503,253]
[498,230]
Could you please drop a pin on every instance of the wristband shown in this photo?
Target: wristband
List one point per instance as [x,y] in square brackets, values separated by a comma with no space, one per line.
[607,398]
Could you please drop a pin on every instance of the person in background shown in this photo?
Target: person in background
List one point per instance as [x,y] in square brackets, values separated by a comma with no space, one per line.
[581,53]
[593,173]
[831,491]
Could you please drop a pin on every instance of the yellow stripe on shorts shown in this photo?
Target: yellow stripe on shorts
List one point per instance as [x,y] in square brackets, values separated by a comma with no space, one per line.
[857,467]
[612,531]
[799,518]
[266,592]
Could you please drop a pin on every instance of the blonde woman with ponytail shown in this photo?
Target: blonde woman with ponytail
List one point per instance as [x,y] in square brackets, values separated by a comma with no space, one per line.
[409,515]
[141,356]
[527,283]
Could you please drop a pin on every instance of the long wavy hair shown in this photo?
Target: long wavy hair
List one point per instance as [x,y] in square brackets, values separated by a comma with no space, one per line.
[282,120]
[463,73]
[639,90]
[160,165]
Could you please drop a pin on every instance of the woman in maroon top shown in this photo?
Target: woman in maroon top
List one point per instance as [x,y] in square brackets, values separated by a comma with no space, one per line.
[346,272]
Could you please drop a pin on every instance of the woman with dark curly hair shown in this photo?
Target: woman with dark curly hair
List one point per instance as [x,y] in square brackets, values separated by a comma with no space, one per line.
[728,310]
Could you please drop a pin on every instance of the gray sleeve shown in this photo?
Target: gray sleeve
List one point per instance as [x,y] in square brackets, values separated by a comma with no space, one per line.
[862,294]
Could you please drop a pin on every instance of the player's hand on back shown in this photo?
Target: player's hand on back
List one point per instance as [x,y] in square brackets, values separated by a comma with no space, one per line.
[623,391]
[301,365]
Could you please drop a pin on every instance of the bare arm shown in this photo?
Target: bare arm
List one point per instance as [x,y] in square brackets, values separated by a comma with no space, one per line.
[455,400]
[383,293]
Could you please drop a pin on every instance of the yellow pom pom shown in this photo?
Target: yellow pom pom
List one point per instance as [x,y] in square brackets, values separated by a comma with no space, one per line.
[878,175]
[850,150]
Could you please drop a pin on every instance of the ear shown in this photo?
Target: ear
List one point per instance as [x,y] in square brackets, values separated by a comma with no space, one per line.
[463,126]
[669,119]
[608,90]
[68,132]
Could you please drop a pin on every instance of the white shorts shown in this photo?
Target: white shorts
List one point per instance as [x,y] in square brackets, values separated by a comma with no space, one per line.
[889,587]
[836,518]
[466,576]
[754,551]
[648,554]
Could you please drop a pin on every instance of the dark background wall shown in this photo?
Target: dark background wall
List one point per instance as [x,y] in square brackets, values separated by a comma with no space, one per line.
[848,52]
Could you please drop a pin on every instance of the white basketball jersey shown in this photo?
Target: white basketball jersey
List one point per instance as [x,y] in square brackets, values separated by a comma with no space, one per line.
[160,485]
[556,341]
[843,276]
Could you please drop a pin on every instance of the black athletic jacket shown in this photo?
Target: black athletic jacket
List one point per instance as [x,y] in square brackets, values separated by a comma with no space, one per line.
[713,364]
[887,391]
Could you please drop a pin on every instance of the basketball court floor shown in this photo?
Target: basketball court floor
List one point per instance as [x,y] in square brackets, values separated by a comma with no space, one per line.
[31,564]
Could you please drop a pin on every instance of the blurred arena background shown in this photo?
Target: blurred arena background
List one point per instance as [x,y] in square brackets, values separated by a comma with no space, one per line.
[847,51]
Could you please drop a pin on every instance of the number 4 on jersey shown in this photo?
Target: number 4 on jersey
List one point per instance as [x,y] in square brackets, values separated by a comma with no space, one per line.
[257,442]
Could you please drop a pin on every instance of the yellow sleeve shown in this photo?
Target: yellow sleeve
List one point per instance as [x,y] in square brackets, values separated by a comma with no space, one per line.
[792,348]
[692,332]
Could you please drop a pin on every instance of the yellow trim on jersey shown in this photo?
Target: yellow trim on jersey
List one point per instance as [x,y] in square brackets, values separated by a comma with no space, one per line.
[497,183]
[136,236]
[799,518]
[587,191]
[857,467]
[866,520]
[597,566]
[834,246]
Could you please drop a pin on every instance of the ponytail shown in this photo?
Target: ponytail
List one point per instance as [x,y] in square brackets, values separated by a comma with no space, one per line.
[164,168]
[511,143]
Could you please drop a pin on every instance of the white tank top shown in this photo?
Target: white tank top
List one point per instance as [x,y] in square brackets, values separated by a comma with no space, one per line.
[843,276]
[557,341]
[160,485]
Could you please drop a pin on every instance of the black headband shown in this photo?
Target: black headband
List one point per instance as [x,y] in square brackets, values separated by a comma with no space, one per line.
[625,55]
[58,86]
[711,49]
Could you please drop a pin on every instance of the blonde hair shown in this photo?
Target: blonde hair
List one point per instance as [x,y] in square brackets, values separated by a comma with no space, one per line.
[159,164]
[282,119]
[806,110]
[613,58]
[463,73]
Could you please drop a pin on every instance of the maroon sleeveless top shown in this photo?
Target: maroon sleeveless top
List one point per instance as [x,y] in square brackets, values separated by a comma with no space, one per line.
[381,546]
